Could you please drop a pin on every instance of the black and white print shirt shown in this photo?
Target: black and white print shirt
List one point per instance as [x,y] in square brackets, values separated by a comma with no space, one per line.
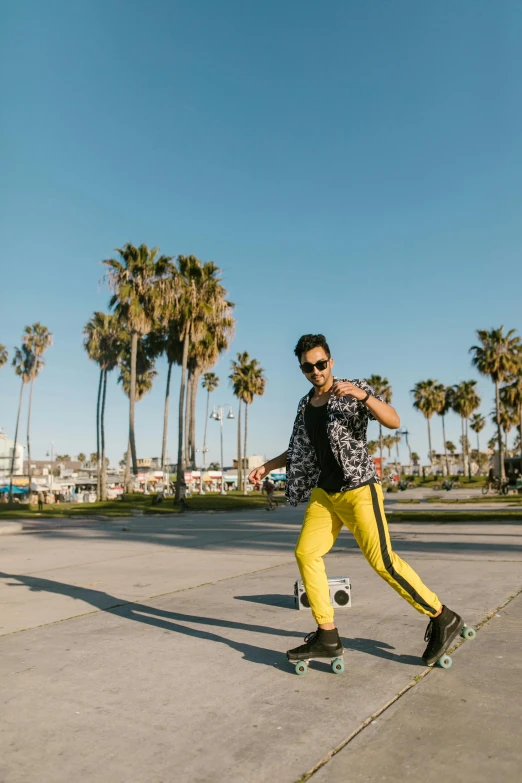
[346,426]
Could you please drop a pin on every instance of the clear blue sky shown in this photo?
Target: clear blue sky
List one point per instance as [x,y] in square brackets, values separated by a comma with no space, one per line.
[354,169]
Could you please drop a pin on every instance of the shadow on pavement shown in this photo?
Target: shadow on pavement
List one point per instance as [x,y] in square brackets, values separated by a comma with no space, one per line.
[169,621]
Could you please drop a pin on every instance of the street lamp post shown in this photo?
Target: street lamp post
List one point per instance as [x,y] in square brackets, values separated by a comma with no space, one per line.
[204,451]
[217,414]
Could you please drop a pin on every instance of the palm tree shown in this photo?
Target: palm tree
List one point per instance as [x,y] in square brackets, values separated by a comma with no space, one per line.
[426,399]
[254,386]
[103,343]
[165,339]
[508,420]
[381,386]
[497,356]
[477,424]
[37,338]
[204,355]
[144,378]
[237,377]
[210,383]
[3,355]
[387,442]
[23,361]
[81,457]
[396,439]
[372,445]
[201,304]
[142,292]
[511,396]
[444,402]
[465,401]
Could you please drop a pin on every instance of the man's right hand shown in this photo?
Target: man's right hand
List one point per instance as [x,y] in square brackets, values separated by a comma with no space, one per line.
[258,474]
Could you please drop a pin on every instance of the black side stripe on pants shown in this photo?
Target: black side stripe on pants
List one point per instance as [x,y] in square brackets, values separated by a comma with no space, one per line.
[386,557]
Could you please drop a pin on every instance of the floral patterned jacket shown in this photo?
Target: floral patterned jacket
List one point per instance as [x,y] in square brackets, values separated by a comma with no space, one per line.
[347,424]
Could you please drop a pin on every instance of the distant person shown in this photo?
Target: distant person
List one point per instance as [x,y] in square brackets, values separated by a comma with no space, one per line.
[329,466]
[40,501]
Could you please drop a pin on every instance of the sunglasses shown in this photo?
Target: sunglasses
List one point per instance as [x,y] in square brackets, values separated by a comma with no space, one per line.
[308,367]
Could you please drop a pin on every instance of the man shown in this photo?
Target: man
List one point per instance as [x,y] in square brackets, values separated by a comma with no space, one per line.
[328,464]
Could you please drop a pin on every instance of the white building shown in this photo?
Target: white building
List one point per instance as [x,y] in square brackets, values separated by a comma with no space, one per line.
[6,455]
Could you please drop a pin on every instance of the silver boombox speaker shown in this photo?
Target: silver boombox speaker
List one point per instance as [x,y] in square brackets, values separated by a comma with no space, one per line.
[340,593]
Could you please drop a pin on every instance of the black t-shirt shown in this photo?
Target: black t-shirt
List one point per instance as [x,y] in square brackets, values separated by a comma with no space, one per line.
[331,478]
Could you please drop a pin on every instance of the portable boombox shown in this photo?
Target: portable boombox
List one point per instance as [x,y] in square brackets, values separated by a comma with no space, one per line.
[340,593]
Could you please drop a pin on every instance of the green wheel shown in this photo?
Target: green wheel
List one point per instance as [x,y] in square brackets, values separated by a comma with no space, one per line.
[468,633]
[338,666]
[301,667]
[445,662]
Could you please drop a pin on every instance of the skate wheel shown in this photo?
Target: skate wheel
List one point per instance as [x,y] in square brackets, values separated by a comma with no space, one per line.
[338,666]
[301,667]
[445,662]
[468,633]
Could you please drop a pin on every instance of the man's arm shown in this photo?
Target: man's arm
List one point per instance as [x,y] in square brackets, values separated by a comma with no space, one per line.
[263,470]
[384,413]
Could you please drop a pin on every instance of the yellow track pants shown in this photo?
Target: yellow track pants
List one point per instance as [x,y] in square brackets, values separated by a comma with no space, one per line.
[362,511]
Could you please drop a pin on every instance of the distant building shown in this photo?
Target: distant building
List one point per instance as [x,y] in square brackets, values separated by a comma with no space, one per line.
[249,463]
[6,455]
[43,467]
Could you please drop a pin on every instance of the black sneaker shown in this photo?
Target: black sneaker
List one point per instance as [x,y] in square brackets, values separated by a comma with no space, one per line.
[318,644]
[440,633]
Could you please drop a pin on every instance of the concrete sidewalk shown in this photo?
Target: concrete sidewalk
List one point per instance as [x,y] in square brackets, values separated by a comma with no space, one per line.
[463,725]
[157,653]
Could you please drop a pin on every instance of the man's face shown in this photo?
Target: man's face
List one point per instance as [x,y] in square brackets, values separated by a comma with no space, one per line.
[317,377]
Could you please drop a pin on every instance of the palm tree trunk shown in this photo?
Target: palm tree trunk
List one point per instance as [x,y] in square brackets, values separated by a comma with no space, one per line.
[520,432]
[166,420]
[103,477]
[184,362]
[245,450]
[380,451]
[193,398]
[127,466]
[468,451]
[132,403]
[463,443]
[429,440]
[98,480]
[502,473]
[186,450]
[239,462]
[13,458]
[445,449]
[29,471]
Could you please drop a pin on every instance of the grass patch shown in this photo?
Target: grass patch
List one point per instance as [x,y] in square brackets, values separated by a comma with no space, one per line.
[483,499]
[137,504]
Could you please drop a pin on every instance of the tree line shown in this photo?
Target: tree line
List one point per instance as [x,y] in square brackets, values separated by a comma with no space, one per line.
[497,356]
[28,363]
[178,308]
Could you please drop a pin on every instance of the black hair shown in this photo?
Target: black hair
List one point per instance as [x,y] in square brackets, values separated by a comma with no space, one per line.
[309,341]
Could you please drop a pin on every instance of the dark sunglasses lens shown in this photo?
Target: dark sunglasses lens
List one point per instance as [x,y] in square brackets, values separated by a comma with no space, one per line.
[309,367]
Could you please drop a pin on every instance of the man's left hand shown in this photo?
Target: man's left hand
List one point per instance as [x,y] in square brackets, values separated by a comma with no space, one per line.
[347,389]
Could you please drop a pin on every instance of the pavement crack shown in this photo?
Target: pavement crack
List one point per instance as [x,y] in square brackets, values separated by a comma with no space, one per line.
[333,752]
